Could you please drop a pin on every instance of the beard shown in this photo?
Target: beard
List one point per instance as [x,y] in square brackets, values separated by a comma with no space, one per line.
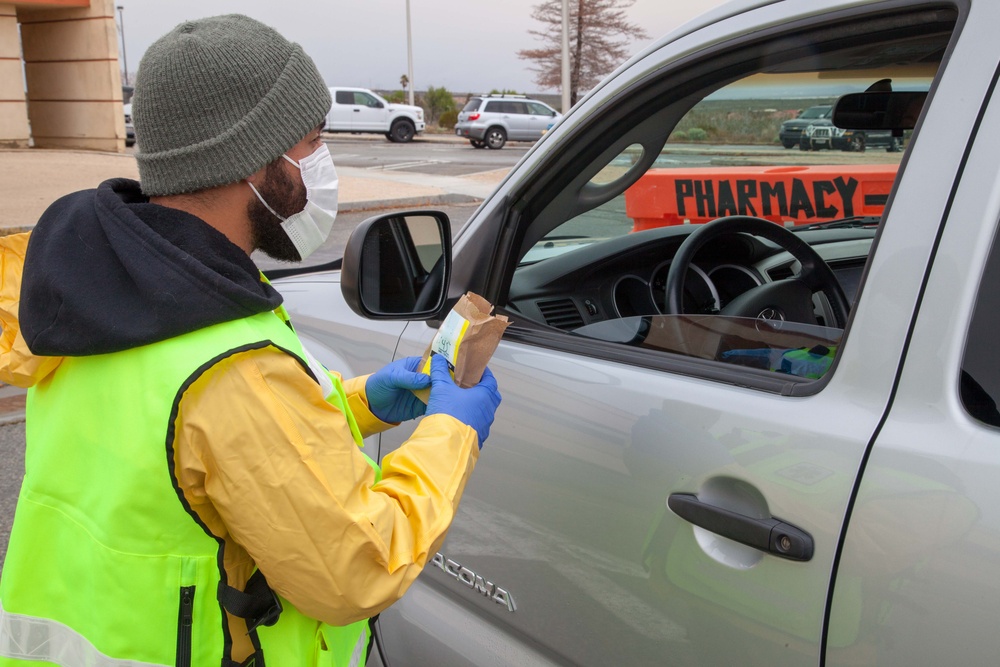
[286,197]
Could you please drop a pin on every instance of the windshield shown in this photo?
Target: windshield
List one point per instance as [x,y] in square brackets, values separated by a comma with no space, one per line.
[816,112]
[732,154]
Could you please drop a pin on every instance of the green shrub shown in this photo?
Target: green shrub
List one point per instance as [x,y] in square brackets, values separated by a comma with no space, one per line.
[697,134]
[679,135]
[437,101]
[395,97]
[448,119]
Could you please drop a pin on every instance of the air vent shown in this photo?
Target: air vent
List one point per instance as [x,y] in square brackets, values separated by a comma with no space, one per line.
[780,272]
[561,313]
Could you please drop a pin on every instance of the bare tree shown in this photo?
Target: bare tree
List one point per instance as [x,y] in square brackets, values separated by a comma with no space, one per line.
[599,34]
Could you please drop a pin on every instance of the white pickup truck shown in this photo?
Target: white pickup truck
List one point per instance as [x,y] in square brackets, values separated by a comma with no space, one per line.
[761,429]
[359,110]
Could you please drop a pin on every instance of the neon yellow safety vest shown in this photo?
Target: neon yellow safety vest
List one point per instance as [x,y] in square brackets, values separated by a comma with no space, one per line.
[106,567]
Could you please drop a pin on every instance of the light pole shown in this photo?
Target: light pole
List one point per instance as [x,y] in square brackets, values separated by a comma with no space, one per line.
[565,57]
[121,20]
[409,55]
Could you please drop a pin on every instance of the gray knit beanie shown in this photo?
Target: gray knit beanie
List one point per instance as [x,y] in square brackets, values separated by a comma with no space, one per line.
[217,99]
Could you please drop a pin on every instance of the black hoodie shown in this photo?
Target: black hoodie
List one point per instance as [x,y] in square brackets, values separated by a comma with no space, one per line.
[106,271]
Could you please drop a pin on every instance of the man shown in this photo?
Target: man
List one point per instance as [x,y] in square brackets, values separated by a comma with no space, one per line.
[195,493]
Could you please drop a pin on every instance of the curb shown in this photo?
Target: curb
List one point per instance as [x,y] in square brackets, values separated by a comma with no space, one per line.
[425,137]
[12,418]
[404,202]
[12,400]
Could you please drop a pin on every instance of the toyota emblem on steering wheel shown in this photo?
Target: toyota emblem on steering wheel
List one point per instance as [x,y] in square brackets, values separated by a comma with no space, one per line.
[772,317]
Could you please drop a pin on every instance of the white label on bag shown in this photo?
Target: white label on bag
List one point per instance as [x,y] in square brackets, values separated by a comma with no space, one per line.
[449,337]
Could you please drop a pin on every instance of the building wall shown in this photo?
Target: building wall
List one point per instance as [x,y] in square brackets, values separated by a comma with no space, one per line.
[13,105]
[74,97]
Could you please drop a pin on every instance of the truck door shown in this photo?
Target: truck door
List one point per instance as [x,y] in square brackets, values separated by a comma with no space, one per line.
[668,474]
[370,113]
[341,116]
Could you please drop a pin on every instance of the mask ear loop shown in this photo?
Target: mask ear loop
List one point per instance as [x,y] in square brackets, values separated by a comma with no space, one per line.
[266,205]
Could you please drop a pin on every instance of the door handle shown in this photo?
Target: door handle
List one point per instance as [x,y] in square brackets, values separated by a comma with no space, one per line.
[771,535]
[357,111]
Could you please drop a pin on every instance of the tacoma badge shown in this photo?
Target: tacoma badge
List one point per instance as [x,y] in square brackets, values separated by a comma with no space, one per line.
[474,581]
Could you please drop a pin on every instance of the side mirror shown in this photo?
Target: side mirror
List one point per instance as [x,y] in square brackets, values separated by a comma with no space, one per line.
[379,105]
[397,266]
[879,110]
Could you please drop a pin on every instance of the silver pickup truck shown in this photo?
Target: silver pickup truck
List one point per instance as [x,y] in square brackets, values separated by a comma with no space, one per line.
[750,394]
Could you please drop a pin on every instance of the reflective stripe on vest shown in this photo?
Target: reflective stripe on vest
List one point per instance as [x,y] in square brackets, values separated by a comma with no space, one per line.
[359,650]
[30,638]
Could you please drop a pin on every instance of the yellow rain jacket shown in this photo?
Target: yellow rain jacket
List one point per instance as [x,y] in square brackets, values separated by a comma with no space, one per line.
[267,465]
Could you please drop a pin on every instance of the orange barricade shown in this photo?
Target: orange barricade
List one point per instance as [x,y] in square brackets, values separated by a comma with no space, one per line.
[792,194]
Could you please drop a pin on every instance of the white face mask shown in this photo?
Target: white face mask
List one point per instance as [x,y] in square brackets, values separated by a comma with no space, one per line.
[311,226]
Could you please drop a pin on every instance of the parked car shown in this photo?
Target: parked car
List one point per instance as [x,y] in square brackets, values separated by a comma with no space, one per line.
[129,127]
[730,443]
[817,137]
[790,133]
[490,121]
[127,104]
[359,110]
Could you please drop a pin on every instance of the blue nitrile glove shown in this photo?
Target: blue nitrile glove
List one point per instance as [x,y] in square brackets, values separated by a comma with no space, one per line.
[388,391]
[475,406]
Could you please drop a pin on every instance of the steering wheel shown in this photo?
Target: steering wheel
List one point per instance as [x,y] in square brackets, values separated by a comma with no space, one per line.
[789,299]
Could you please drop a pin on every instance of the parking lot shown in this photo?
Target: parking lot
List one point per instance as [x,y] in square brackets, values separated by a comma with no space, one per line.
[439,154]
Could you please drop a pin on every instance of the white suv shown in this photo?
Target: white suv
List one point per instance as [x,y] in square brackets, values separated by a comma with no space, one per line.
[492,121]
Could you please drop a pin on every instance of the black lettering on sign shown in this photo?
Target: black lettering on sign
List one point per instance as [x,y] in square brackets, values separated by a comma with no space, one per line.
[727,202]
[746,192]
[846,190]
[704,197]
[769,191]
[683,189]
[800,200]
[820,190]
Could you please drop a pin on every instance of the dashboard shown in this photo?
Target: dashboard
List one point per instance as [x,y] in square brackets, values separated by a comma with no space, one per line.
[626,276]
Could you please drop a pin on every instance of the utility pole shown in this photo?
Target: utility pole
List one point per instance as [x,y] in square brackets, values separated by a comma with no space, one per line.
[409,54]
[121,20]
[565,57]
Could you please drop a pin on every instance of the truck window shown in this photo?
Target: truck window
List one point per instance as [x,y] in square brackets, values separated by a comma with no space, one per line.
[344,97]
[364,99]
[979,379]
[598,258]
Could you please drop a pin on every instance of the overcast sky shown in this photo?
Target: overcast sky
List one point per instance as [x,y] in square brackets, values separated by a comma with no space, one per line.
[464,45]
